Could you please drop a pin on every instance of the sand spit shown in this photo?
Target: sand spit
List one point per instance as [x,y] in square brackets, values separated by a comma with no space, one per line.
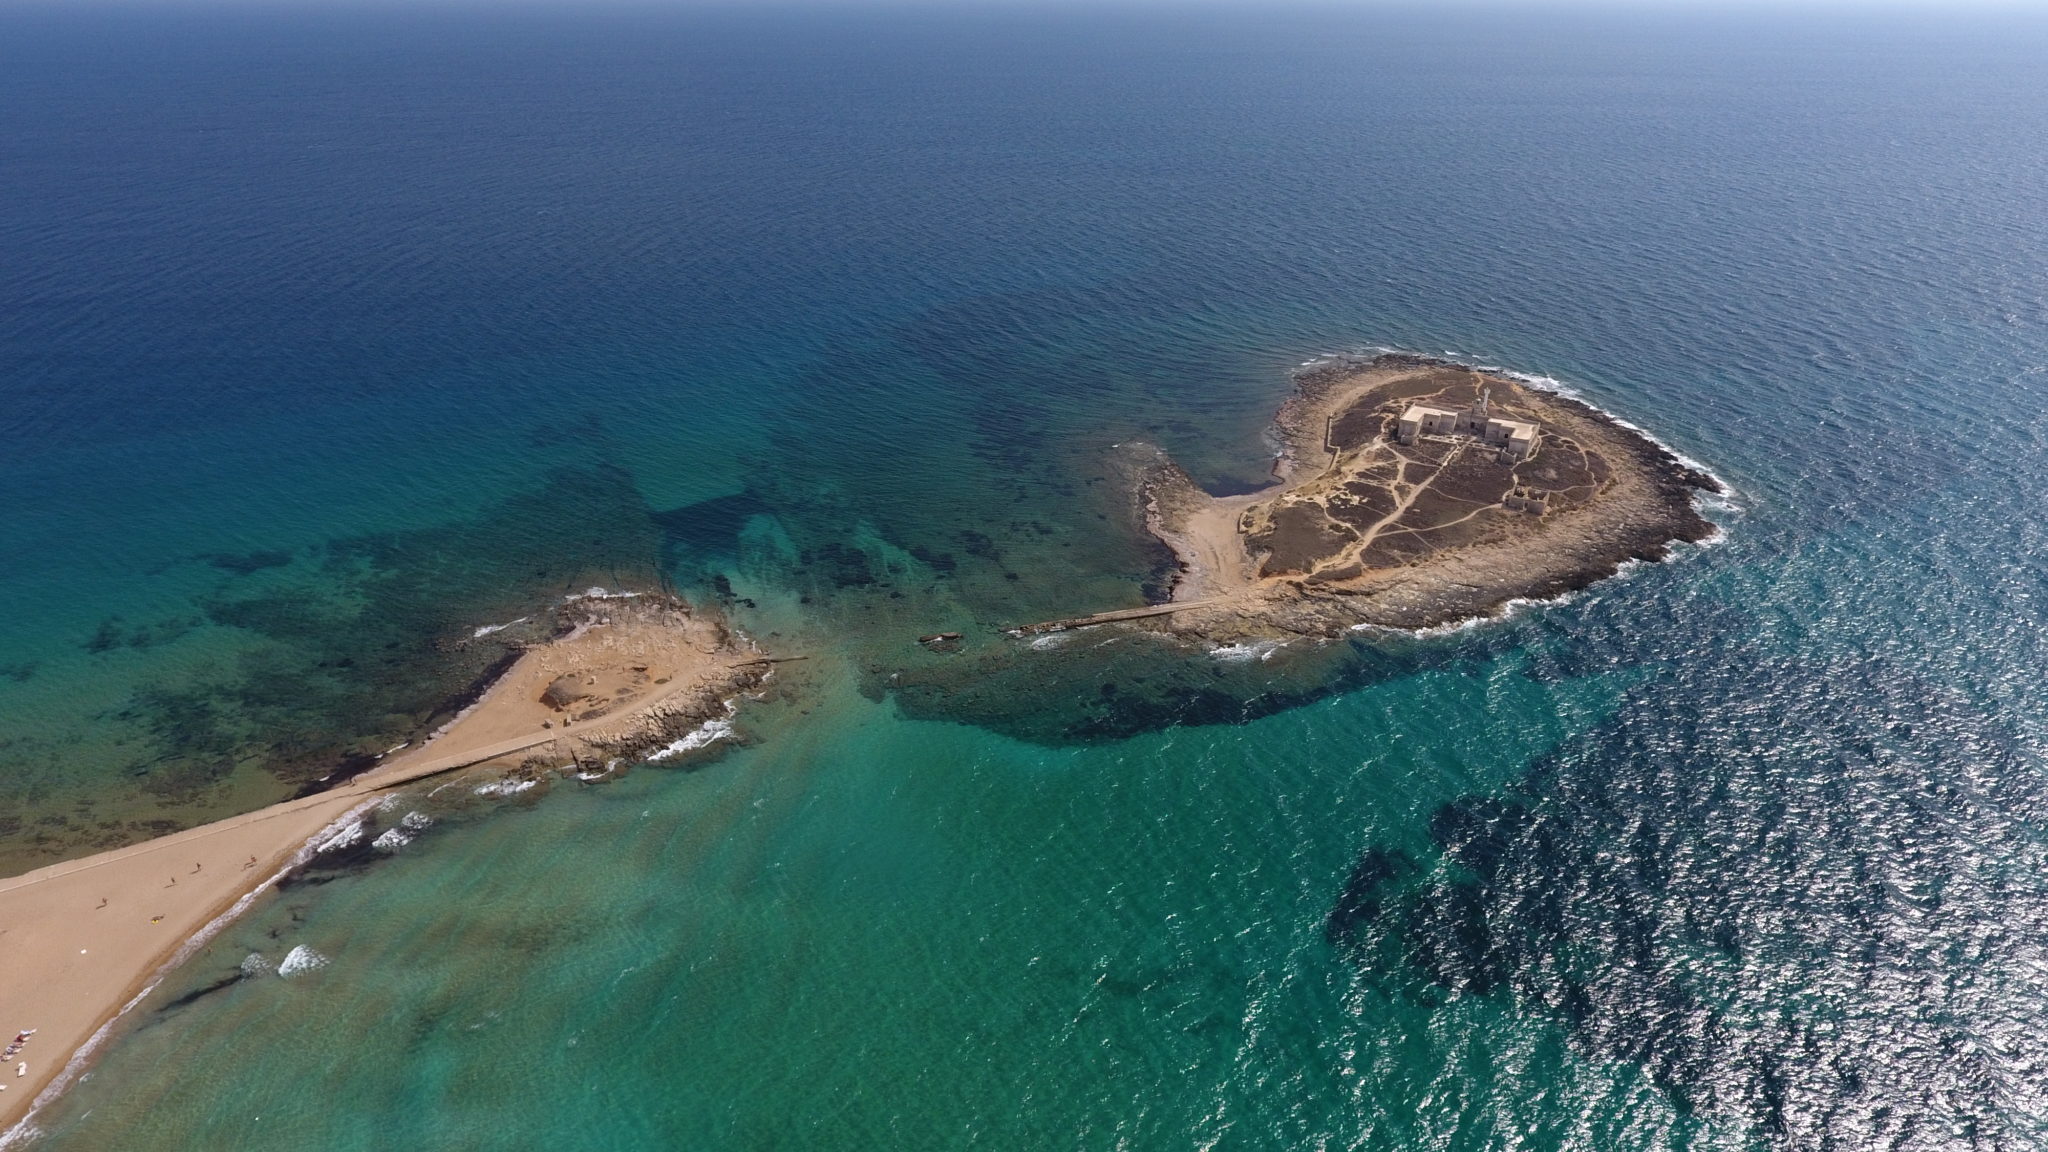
[84,940]
[1367,527]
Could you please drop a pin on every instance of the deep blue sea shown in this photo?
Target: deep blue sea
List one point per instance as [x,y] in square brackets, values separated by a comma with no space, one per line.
[328,335]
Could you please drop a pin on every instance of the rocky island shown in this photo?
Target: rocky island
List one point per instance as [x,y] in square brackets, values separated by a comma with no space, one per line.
[1412,493]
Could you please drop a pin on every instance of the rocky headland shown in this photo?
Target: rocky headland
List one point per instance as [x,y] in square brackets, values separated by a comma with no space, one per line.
[1414,493]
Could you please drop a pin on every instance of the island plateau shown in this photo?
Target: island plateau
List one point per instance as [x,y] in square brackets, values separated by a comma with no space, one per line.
[1414,493]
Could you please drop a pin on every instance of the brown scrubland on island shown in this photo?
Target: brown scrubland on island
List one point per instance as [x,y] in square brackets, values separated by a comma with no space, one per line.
[82,939]
[1368,526]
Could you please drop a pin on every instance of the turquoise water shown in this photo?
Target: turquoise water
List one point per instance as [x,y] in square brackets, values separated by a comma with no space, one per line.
[331,337]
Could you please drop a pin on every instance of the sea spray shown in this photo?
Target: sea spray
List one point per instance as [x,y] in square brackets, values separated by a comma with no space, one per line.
[346,836]
[1250,650]
[598,593]
[300,959]
[706,733]
[491,629]
[502,788]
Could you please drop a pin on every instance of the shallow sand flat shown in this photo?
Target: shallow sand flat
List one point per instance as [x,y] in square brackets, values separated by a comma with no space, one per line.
[82,939]
[1203,533]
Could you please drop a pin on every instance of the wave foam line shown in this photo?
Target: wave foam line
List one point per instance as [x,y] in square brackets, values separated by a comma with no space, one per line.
[709,732]
[489,629]
[598,592]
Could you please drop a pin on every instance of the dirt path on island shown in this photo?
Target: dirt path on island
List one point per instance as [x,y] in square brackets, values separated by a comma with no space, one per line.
[1355,536]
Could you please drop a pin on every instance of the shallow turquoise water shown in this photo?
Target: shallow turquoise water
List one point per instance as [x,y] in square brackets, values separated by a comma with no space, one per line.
[866,929]
[332,338]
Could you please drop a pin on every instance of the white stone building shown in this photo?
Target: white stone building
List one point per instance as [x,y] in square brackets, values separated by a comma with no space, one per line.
[1422,420]
[1515,438]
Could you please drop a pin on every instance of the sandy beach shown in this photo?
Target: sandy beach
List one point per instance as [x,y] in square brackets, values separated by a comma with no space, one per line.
[84,940]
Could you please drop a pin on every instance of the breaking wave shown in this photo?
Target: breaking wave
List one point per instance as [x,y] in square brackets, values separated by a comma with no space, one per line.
[300,959]
[704,734]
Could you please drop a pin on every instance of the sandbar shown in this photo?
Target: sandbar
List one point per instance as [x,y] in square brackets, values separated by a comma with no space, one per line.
[84,940]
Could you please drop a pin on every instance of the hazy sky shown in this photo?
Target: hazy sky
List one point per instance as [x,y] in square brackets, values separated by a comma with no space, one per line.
[1760,6]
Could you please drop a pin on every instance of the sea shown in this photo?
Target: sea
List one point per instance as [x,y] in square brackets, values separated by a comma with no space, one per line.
[333,335]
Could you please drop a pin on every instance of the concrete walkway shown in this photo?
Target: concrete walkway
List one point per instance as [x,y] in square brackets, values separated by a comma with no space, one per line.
[1114,616]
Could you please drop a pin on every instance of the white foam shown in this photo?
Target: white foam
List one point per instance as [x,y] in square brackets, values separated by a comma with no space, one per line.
[391,840]
[698,737]
[347,837]
[488,629]
[1509,609]
[595,592]
[503,788]
[1244,653]
[1049,641]
[300,959]
[254,964]
[416,822]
